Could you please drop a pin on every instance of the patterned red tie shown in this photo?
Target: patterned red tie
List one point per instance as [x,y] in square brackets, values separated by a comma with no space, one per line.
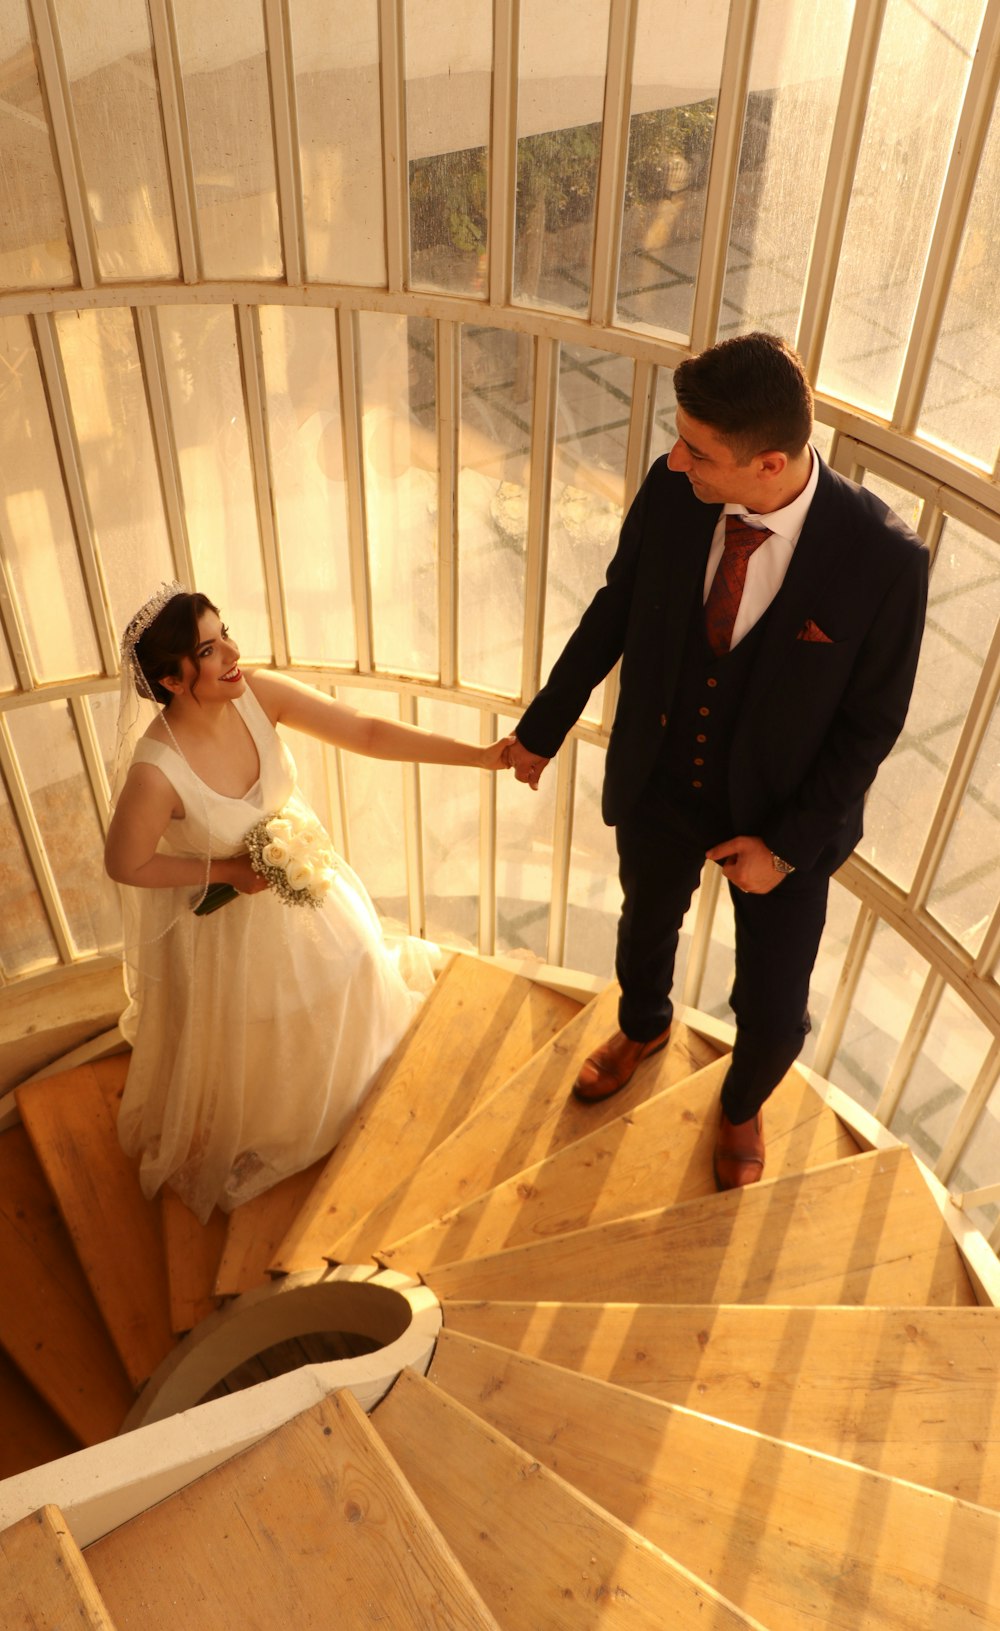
[727,586]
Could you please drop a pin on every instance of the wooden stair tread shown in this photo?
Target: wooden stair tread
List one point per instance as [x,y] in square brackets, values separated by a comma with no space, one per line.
[50,1324]
[656,1154]
[533,1115]
[540,1554]
[192,1251]
[313,1526]
[71,1120]
[31,1432]
[47,1584]
[255,1231]
[926,1377]
[863,1230]
[479,1025]
[795,1538]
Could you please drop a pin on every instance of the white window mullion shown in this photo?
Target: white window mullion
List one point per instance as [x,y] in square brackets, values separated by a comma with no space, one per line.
[909,1049]
[726,142]
[543,430]
[34,845]
[449,400]
[701,937]
[392,69]
[956,197]
[562,838]
[164,441]
[832,1029]
[357,528]
[845,147]
[252,364]
[413,829]
[614,159]
[964,1125]
[93,758]
[10,618]
[489,727]
[503,152]
[640,431]
[284,117]
[62,125]
[170,82]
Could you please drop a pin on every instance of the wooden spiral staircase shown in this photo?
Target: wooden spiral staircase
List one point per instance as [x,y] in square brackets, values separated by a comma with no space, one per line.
[649,1405]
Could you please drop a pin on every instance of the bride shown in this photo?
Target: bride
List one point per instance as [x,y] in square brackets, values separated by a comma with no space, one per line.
[256,1027]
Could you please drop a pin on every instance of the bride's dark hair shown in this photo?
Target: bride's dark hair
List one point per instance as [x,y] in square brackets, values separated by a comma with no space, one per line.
[172,636]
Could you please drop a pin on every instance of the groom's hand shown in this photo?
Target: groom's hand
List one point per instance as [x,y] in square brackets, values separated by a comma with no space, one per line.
[527,766]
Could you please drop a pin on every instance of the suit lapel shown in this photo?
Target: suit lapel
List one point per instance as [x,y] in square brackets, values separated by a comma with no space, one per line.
[815,559]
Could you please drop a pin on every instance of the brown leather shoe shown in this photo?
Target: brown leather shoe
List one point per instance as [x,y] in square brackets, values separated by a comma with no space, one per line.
[611,1066]
[738,1158]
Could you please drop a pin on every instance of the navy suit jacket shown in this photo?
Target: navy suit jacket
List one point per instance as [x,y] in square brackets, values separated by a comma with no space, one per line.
[818,716]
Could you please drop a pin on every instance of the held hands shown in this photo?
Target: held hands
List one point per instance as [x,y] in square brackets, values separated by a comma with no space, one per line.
[527,766]
[747,864]
[242,876]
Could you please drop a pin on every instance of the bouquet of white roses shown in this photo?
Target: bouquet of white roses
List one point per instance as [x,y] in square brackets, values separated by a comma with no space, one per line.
[293,855]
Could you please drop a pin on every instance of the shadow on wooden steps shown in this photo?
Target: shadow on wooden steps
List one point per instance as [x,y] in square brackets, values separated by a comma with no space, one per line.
[46,1581]
[794,1537]
[911,1392]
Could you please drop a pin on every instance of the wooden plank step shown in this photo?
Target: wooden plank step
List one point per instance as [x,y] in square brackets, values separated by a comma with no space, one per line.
[864,1230]
[541,1554]
[47,1584]
[532,1116]
[30,1431]
[192,1251]
[50,1324]
[795,1538]
[71,1121]
[479,1024]
[313,1526]
[255,1231]
[657,1154]
[911,1392]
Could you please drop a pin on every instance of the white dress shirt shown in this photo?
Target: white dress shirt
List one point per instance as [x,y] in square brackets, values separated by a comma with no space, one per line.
[770,561]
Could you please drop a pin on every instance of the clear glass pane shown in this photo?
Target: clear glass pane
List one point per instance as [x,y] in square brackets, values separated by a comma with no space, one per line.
[962,402]
[206,400]
[962,613]
[112,82]
[966,887]
[524,862]
[8,678]
[104,379]
[26,943]
[560,105]
[450,797]
[595,895]
[980,1164]
[678,59]
[448,132]
[33,246]
[49,757]
[316,769]
[401,495]
[664,426]
[493,485]
[888,991]
[841,917]
[795,74]
[310,489]
[35,527]
[228,111]
[950,1060]
[376,828]
[336,51]
[588,485]
[924,58]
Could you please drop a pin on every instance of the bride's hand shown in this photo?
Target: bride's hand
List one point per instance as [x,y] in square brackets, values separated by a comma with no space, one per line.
[242,876]
[496,757]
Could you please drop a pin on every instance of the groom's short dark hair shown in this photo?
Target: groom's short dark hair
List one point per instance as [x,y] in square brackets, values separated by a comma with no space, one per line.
[752,391]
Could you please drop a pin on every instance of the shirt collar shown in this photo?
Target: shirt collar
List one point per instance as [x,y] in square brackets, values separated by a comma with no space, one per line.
[787,522]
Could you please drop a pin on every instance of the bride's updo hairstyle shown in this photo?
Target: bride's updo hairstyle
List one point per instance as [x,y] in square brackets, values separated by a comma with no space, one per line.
[170,637]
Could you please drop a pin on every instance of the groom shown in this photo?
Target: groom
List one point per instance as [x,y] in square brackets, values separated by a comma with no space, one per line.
[768,614]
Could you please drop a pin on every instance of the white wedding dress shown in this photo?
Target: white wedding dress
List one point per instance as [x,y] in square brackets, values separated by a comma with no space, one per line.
[255,1029]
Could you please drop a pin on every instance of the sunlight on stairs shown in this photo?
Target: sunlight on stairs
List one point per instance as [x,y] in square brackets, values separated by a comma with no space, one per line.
[650,1405]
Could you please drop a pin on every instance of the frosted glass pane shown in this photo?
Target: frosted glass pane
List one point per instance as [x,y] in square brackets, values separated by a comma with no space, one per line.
[8,679]
[374,798]
[497,381]
[967,885]
[962,612]
[33,246]
[450,798]
[26,943]
[112,82]
[224,66]
[923,65]
[562,66]
[795,73]
[950,1060]
[980,1163]
[962,402]
[206,400]
[35,529]
[888,991]
[664,426]
[678,59]
[310,492]
[594,896]
[49,757]
[448,132]
[524,861]
[401,498]
[336,49]
[104,378]
[588,483]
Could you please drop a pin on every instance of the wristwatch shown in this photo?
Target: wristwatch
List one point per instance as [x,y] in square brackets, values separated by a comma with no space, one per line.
[781,866]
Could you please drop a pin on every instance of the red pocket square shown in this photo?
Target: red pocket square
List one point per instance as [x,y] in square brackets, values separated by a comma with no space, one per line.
[812,631]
